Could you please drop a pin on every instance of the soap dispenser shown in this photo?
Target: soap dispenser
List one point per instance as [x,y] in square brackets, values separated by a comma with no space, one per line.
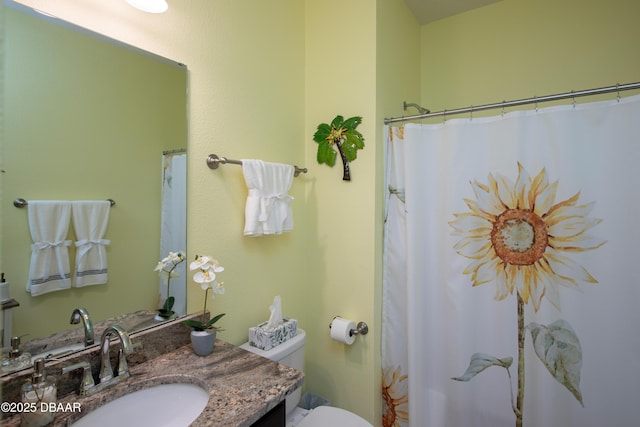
[4,289]
[15,359]
[39,397]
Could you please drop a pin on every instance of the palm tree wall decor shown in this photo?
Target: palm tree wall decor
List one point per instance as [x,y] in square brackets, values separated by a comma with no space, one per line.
[341,134]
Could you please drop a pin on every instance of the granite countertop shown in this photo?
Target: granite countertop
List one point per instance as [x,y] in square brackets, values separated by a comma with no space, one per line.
[242,385]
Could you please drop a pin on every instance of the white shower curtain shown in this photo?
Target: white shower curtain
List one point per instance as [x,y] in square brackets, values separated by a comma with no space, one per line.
[511,292]
[173,235]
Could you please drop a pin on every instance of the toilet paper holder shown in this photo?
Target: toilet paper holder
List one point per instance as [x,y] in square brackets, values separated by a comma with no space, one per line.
[361,328]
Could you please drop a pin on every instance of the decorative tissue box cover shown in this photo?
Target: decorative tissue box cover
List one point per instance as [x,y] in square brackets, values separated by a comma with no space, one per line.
[266,339]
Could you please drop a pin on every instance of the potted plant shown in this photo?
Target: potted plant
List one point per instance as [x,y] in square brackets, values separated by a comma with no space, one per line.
[166,268]
[203,333]
[341,134]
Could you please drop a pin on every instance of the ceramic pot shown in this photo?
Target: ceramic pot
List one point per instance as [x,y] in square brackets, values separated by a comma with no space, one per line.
[203,342]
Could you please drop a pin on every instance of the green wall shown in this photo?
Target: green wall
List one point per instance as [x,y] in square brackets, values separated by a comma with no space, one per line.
[85,120]
[341,79]
[517,49]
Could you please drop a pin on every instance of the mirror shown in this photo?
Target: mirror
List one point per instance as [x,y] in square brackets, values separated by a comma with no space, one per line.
[88,118]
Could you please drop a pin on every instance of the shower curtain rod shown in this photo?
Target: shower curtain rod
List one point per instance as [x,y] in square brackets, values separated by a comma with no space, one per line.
[175,151]
[505,104]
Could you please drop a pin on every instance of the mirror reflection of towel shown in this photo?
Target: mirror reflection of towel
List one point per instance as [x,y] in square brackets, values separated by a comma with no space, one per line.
[90,220]
[268,208]
[49,267]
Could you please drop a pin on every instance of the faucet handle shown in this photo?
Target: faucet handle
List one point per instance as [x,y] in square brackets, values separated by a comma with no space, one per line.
[87,379]
[123,367]
[106,371]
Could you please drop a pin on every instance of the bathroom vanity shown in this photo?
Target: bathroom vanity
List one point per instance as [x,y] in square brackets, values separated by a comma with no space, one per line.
[244,388]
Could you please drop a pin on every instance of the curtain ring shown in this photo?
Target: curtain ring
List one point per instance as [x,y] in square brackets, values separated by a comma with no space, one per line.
[444,116]
[471,114]
[618,91]
[573,99]
[535,99]
[503,108]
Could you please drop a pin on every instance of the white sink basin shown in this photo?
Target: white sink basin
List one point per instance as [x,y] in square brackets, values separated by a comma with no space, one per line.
[171,405]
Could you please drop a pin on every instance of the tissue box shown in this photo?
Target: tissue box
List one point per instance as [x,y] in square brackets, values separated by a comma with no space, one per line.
[266,339]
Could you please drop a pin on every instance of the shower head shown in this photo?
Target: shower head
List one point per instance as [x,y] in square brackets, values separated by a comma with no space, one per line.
[420,109]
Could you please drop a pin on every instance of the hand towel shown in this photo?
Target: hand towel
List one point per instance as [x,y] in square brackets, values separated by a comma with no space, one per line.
[268,207]
[49,224]
[90,220]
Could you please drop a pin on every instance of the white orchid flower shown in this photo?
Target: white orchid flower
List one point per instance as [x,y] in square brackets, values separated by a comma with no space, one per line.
[175,257]
[216,266]
[160,266]
[218,288]
[201,262]
[204,277]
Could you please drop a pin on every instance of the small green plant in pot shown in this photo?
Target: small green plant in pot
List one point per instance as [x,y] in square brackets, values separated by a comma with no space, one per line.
[342,135]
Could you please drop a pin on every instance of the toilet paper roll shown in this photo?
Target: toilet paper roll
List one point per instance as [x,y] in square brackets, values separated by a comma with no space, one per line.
[341,330]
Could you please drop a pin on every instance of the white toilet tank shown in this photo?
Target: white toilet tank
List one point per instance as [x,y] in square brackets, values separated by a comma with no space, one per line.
[290,353]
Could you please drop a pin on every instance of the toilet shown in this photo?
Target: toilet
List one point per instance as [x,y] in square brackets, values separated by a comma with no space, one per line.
[291,353]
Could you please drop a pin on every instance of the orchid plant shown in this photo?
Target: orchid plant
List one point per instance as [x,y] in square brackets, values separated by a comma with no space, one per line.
[166,268]
[206,269]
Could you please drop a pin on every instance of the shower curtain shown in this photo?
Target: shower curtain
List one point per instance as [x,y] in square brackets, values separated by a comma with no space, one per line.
[173,234]
[511,293]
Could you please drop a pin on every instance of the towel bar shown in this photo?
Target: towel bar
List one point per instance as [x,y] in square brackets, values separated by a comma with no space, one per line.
[22,203]
[213,161]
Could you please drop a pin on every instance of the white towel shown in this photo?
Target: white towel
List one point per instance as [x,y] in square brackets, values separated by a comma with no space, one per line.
[49,224]
[90,220]
[268,207]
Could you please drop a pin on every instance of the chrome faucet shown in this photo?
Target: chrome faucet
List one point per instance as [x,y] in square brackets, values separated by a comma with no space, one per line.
[81,314]
[106,371]
[106,379]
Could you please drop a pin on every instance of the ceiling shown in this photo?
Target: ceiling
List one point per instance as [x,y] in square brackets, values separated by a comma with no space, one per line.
[431,10]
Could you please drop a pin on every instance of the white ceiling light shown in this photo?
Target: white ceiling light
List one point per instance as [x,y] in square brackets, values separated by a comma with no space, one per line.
[151,6]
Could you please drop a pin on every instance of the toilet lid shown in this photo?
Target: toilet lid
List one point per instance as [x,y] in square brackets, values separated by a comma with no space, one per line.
[324,416]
